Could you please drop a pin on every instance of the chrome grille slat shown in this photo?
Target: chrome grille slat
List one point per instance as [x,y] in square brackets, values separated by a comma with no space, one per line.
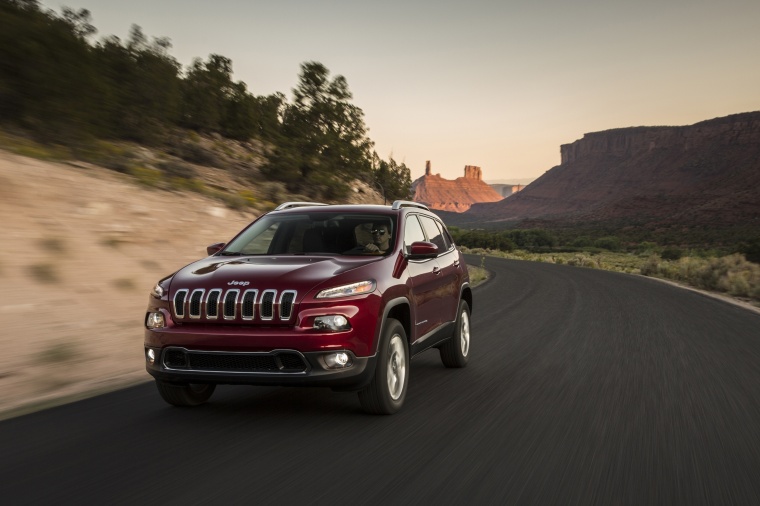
[286,304]
[266,308]
[179,303]
[248,304]
[230,304]
[212,303]
[251,305]
[195,303]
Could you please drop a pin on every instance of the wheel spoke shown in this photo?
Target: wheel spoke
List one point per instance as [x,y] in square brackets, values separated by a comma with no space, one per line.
[396,367]
[464,333]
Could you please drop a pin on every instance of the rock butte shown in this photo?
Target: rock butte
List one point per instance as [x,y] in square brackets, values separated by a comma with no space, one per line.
[457,195]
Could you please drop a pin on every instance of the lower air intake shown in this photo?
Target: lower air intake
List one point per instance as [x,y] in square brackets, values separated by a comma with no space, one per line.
[282,362]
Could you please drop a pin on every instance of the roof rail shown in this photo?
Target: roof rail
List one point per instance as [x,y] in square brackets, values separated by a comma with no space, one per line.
[290,205]
[408,203]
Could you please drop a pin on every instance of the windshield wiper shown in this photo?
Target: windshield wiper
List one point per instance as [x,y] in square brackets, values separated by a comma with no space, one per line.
[229,253]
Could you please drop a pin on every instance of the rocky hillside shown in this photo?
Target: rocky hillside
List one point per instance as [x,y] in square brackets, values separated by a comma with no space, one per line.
[457,195]
[82,246]
[702,175]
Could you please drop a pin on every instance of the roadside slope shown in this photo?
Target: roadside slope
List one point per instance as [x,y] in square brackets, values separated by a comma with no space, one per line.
[81,248]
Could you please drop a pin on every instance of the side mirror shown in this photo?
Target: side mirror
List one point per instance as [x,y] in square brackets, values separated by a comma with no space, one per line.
[215,248]
[423,249]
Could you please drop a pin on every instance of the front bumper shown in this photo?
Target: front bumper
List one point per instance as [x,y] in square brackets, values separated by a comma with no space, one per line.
[284,367]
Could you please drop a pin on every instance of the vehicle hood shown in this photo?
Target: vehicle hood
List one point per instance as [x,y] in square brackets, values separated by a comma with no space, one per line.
[300,273]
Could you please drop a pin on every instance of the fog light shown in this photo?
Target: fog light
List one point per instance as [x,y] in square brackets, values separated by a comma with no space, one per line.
[332,322]
[150,356]
[155,321]
[338,360]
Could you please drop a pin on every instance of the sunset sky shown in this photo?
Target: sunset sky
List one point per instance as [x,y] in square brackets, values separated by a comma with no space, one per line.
[498,84]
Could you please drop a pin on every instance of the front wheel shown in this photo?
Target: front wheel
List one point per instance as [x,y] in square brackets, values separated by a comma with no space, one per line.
[456,351]
[187,394]
[386,392]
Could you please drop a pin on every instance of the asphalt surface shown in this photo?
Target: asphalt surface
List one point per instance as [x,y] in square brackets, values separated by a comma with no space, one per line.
[584,387]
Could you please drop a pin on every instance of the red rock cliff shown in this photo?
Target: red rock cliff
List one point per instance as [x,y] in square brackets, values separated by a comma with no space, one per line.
[457,195]
[702,174]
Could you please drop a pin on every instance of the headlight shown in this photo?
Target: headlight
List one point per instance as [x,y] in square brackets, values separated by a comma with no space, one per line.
[155,320]
[331,322]
[157,291]
[347,290]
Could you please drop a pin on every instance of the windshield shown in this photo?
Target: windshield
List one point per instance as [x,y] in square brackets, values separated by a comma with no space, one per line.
[316,233]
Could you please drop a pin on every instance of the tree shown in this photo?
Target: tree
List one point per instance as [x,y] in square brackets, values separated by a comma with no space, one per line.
[141,86]
[324,138]
[47,80]
[205,92]
[394,179]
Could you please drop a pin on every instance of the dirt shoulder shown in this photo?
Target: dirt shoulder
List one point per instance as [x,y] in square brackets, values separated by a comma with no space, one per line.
[81,248]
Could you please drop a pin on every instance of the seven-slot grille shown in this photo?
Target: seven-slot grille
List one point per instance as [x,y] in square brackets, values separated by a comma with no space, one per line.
[234,304]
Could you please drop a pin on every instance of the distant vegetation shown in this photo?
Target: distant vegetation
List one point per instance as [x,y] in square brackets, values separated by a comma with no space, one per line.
[714,269]
[669,244]
[67,89]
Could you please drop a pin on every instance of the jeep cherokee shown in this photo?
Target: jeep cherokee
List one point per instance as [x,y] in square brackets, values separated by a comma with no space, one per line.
[341,296]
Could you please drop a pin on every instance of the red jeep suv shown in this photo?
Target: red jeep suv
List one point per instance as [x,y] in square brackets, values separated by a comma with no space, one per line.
[341,296]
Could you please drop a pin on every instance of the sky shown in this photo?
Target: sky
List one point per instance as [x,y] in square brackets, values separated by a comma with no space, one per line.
[496,84]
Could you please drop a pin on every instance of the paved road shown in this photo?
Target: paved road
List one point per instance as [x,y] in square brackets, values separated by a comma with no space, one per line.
[585,387]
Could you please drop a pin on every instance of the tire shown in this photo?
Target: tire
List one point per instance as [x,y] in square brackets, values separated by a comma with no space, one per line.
[455,353]
[386,392]
[184,394]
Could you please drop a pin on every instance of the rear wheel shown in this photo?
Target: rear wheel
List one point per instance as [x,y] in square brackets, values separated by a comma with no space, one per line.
[456,351]
[188,394]
[386,392]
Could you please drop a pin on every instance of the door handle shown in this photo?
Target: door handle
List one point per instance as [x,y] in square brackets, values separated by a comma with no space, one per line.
[436,270]
[456,264]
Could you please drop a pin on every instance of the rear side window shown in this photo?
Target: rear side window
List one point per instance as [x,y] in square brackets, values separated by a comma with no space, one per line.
[444,234]
[434,233]
[412,232]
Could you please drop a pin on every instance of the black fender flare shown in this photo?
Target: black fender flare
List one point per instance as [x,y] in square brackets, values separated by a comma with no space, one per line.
[384,318]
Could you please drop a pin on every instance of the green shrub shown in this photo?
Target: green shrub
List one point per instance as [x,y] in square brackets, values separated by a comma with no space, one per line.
[53,244]
[233,201]
[146,176]
[44,273]
[177,169]
[581,242]
[752,251]
[58,352]
[645,248]
[249,197]
[609,243]
[125,284]
[671,253]
[193,185]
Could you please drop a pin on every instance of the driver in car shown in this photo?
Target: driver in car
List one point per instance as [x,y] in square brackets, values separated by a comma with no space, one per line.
[380,238]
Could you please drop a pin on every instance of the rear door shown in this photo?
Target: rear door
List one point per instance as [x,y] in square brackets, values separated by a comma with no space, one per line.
[449,269]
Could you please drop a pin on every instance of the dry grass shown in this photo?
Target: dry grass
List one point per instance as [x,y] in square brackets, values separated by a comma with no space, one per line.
[477,275]
[731,274]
